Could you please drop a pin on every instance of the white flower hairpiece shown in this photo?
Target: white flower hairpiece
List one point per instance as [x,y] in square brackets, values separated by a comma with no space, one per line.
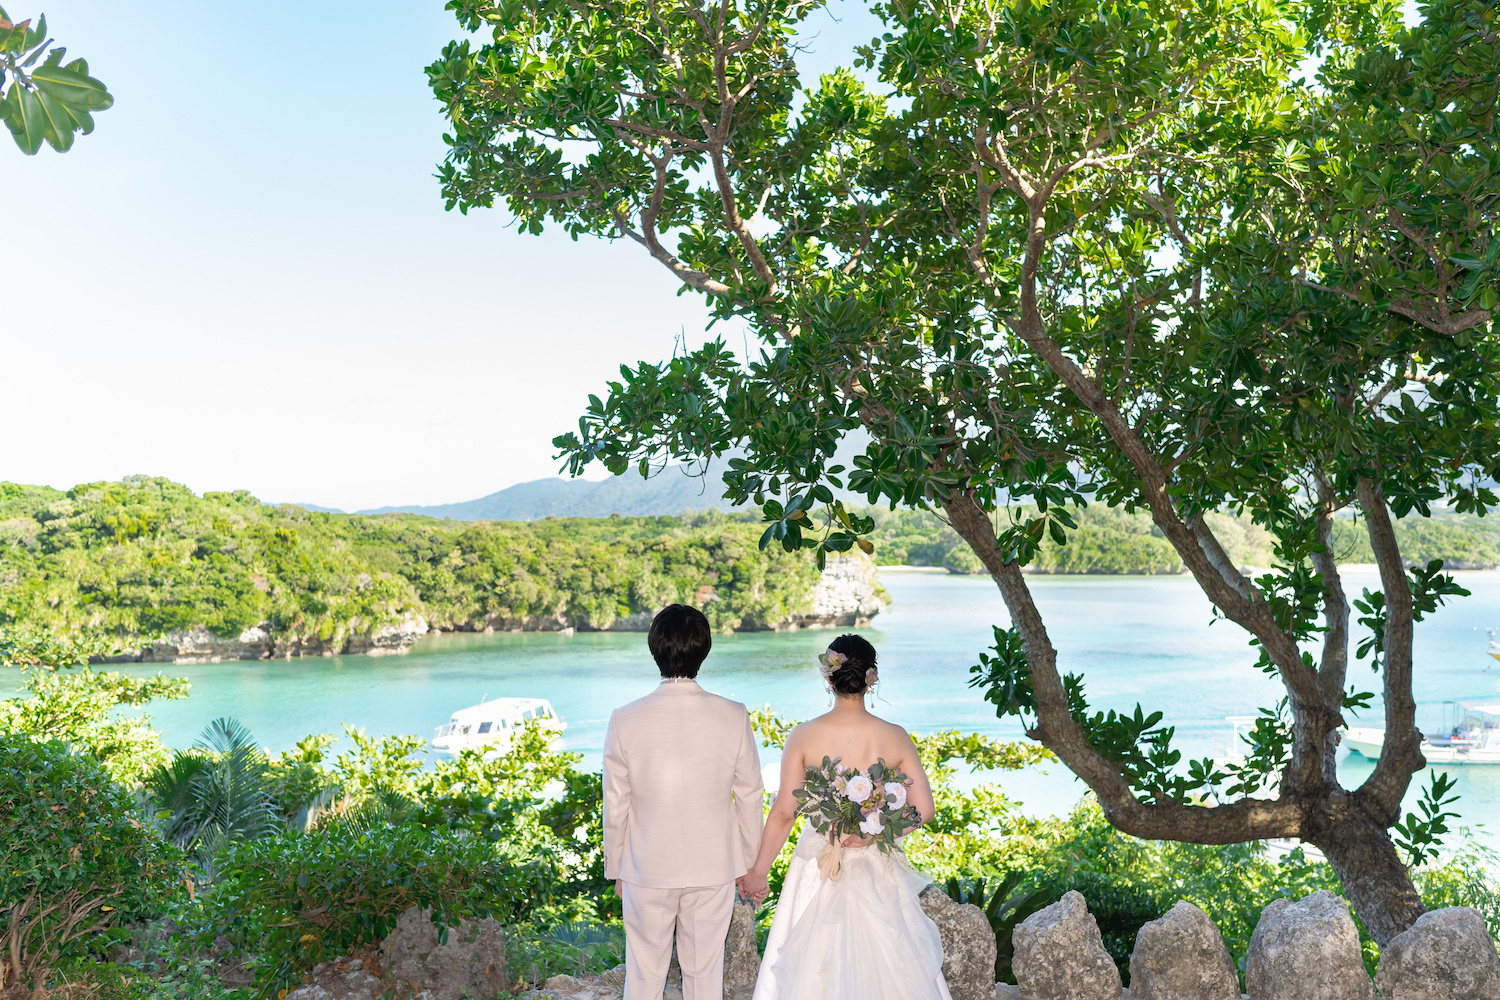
[830,661]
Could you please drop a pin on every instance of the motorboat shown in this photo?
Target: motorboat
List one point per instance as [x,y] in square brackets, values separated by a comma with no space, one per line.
[1472,738]
[491,725]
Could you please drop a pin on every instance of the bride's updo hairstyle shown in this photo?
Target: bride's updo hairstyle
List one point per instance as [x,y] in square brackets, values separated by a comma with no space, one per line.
[850,676]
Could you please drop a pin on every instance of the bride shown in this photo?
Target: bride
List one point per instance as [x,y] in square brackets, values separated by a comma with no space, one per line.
[861,935]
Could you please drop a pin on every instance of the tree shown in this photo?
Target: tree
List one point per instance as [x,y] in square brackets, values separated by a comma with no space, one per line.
[50,102]
[78,706]
[1075,252]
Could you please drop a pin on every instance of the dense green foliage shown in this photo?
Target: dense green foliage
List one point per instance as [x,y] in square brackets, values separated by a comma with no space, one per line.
[1109,540]
[146,556]
[328,893]
[74,857]
[79,706]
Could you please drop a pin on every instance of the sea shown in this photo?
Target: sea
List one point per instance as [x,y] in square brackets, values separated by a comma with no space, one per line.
[1147,640]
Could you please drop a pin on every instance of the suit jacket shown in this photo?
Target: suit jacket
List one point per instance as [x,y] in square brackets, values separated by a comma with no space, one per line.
[682,790]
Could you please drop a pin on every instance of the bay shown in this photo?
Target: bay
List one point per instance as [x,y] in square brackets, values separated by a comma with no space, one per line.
[1146,640]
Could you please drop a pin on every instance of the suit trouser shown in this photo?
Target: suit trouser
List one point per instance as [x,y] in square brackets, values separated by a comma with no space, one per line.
[700,920]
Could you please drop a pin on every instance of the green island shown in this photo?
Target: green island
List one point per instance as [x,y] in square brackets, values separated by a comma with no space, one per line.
[146,557]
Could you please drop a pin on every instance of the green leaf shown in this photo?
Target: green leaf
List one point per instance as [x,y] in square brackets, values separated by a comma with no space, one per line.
[72,85]
[27,119]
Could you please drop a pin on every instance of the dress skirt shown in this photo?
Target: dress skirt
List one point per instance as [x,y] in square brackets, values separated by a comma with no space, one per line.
[861,937]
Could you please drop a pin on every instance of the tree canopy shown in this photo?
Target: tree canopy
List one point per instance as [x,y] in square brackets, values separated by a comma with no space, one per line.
[1057,254]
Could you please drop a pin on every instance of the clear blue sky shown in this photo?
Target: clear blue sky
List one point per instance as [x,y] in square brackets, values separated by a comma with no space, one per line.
[245,277]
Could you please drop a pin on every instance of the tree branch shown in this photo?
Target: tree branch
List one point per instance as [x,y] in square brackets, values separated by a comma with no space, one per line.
[1247,819]
[1401,754]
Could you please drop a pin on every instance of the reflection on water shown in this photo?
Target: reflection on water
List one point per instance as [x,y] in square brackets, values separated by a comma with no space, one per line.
[1150,640]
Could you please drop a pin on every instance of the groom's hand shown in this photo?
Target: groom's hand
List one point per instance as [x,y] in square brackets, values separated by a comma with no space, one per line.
[619,889]
[754,887]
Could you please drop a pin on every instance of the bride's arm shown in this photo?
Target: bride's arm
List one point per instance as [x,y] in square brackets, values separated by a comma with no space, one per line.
[919,790]
[783,811]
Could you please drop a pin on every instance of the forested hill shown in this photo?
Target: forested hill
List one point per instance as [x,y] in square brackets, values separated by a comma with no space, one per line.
[1112,541]
[146,556]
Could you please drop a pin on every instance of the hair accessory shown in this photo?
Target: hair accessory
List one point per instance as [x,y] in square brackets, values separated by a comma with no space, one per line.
[830,661]
[870,677]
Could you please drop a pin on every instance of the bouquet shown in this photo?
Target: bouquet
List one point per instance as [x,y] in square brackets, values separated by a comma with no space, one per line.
[842,802]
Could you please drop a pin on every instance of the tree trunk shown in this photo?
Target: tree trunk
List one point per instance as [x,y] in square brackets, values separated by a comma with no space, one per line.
[1377,883]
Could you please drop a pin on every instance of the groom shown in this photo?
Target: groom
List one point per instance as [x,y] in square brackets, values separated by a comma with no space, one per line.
[682,814]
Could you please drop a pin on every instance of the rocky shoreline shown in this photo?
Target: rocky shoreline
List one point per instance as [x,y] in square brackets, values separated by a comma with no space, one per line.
[846,596]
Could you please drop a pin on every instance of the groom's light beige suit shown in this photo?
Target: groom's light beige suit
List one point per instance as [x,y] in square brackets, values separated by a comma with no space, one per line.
[682,821]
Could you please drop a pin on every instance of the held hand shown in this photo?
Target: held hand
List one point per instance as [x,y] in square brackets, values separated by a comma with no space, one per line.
[755,886]
[619,888]
[855,841]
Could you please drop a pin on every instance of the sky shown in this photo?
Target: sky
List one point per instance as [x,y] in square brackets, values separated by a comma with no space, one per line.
[245,278]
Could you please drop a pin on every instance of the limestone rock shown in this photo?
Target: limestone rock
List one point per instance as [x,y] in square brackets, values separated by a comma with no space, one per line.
[388,639]
[1181,956]
[741,960]
[846,595]
[563,984]
[968,945]
[342,979]
[199,645]
[1446,955]
[1060,954]
[472,960]
[1307,950]
[614,978]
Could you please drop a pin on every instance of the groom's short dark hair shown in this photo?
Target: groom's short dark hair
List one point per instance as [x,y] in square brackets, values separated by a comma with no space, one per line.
[679,640]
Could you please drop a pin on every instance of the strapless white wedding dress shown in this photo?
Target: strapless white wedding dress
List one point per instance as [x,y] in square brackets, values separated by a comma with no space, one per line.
[861,937]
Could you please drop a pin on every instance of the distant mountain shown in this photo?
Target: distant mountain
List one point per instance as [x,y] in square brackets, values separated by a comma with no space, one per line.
[670,491]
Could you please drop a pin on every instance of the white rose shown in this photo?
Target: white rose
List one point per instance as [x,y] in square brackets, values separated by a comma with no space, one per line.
[859,788]
[895,794]
[870,827]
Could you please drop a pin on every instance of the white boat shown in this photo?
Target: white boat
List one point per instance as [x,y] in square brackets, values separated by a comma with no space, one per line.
[1473,737]
[491,724]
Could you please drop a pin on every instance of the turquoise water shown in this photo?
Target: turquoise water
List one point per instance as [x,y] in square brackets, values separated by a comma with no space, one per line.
[1136,639]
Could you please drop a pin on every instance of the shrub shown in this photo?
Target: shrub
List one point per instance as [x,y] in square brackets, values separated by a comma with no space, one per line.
[537,953]
[73,856]
[299,899]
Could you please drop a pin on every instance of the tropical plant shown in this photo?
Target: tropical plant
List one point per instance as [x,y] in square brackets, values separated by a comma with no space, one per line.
[537,953]
[48,102]
[1006,901]
[217,793]
[1068,253]
[300,898]
[74,859]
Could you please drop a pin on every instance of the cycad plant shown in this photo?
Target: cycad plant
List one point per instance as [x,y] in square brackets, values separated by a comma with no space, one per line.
[1005,903]
[216,793]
